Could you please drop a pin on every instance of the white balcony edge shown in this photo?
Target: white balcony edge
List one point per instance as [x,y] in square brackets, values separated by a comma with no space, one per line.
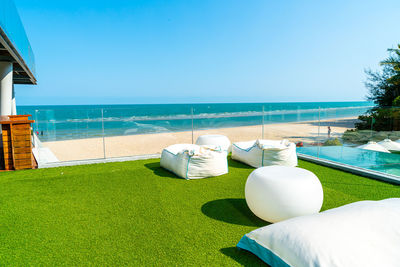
[97,161]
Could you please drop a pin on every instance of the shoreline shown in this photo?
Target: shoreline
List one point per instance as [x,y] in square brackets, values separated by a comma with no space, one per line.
[153,143]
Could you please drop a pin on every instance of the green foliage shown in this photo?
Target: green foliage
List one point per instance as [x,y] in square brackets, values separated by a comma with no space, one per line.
[333,142]
[384,86]
[381,119]
[396,102]
[384,90]
[137,214]
[364,136]
[394,64]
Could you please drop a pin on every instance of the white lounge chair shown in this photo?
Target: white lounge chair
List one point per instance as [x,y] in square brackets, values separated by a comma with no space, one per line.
[364,233]
[371,145]
[258,153]
[390,145]
[216,140]
[193,161]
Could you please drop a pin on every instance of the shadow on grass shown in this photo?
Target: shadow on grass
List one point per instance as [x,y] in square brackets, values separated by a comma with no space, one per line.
[236,164]
[161,172]
[243,257]
[233,211]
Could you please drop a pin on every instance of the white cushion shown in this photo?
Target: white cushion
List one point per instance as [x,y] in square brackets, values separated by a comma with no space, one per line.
[260,153]
[390,145]
[371,145]
[194,162]
[365,233]
[277,193]
[216,140]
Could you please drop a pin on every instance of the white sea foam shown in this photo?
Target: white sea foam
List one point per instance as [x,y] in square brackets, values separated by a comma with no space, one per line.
[167,118]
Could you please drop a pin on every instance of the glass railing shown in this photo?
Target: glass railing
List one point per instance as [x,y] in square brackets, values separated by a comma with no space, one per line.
[131,132]
[83,132]
[237,125]
[11,24]
[372,143]
[70,133]
[78,136]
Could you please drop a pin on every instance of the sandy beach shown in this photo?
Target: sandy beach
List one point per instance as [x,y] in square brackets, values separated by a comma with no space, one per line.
[130,145]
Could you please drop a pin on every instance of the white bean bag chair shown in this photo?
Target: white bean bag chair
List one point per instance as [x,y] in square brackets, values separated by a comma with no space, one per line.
[277,193]
[390,145]
[194,162]
[260,153]
[216,140]
[371,145]
[361,234]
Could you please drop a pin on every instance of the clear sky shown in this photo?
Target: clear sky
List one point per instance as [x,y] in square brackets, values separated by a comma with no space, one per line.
[183,51]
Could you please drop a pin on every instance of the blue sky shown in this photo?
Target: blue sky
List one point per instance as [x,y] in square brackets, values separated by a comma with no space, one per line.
[150,51]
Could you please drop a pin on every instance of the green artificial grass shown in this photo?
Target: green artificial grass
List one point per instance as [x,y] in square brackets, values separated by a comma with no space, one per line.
[135,213]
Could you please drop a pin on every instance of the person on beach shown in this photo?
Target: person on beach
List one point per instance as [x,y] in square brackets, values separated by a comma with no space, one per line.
[329,131]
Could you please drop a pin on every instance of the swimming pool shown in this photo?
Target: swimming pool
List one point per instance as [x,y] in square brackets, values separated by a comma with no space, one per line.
[387,163]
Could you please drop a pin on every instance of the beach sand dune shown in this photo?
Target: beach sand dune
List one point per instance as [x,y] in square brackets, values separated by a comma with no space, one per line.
[131,145]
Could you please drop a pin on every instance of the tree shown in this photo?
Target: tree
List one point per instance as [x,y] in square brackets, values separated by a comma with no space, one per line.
[394,64]
[396,102]
[384,91]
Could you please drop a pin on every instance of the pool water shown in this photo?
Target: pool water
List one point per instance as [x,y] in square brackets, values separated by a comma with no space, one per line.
[377,161]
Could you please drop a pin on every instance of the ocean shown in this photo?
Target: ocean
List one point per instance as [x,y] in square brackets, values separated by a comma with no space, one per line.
[54,123]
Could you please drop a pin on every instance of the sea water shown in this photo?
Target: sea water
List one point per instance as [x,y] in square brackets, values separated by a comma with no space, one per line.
[85,121]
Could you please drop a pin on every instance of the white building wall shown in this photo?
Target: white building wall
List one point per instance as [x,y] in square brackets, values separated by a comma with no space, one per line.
[6,88]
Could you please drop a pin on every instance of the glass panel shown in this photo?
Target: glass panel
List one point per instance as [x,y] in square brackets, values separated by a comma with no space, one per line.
[67,134]
[145,129]
[295,123]
[369,142]
[239,122]
[384,124]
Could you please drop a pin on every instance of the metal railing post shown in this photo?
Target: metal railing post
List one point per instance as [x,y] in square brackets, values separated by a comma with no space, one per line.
[102,126]
[192,125]
[319,122]
[262,122]
[36,126]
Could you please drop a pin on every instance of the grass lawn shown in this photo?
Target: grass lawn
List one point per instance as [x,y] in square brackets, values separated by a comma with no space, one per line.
[135,213]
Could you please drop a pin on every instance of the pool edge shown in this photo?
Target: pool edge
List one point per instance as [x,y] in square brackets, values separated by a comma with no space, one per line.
[352,169]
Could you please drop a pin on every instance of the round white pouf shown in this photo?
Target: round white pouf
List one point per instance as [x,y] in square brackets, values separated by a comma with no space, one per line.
[216,140]
[277,193]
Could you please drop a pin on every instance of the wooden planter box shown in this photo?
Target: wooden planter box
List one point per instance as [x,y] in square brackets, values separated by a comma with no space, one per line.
[17,143]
